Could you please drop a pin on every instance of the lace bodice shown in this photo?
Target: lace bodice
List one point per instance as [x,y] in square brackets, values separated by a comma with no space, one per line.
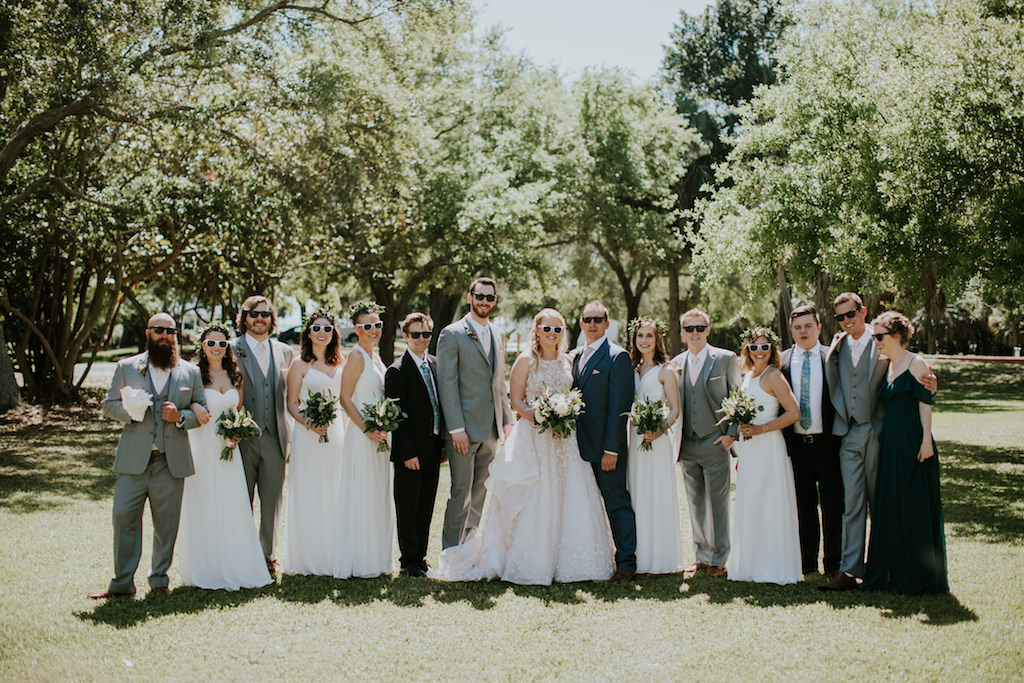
[767,405]
[554,375]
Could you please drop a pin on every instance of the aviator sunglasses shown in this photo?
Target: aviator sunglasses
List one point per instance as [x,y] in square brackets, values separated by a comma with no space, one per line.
[371,326]
[753,348]
[214,343]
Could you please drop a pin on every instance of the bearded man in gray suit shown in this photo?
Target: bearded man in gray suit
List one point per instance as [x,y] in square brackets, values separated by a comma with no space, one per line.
[264,364]
[474,399]
[153,455]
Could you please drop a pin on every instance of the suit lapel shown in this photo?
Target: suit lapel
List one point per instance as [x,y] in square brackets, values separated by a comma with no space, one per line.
[278,354]
[475,338]
[252,368]
[147,377]
[595,358]
[705,372]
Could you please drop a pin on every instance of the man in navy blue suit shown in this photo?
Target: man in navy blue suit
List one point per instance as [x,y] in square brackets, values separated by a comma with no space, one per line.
[603,373]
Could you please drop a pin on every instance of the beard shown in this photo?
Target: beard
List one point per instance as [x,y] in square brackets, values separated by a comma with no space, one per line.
[480,310]
[163,355]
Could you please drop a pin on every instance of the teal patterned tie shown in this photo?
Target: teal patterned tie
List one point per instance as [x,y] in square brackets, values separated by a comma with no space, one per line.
[805,393]
[433,396]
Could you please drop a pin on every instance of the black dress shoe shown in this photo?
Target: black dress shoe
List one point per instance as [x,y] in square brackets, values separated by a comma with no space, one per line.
[107,594]
[415,572]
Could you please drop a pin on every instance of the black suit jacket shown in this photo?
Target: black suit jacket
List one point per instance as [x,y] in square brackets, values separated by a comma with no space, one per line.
[828,412]
[414,437]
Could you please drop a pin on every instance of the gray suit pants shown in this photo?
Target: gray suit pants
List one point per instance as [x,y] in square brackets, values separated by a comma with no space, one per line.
[706,476]
[466,501]
[858,462]
[130,494]
[263,463]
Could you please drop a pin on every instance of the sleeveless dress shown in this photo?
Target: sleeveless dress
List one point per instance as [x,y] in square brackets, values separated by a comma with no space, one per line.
[765,537]
[651,479]
[218,546]
[365,513]
[545,521]
[907,549]
[312,491]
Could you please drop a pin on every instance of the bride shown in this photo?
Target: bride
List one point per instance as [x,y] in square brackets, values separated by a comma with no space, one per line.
[545,521]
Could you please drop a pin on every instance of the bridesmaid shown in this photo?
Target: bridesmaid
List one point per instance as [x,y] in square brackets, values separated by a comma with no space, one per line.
[363,543]
[907,549]
[218,547]
[314,468]
[651,475]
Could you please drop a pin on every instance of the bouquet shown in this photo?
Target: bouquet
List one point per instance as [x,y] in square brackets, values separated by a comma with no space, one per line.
[382,416]
[557,412]
[738,408]
[237,423]
[320,410]
[648,416]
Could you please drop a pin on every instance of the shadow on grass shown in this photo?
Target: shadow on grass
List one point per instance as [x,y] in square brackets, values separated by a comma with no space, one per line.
[978,482]
[970,385]
[129,612]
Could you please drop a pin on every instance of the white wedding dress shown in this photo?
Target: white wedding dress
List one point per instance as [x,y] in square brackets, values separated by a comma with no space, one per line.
[651,479]
[365,514]
[312,485]
[765,535]
[218,546]
[545,521]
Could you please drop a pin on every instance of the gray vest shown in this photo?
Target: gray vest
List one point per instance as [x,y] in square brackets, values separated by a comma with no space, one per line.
[158,425]
[855,381]
[700,416]
[264,406]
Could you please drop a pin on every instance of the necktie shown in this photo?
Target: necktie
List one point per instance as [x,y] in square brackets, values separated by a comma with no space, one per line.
[433,396]
[262,357]
[694,369]
[805,392]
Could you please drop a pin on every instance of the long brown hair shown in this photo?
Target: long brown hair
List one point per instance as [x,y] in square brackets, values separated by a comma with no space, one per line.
[229,363]
[660,353]
[332,354]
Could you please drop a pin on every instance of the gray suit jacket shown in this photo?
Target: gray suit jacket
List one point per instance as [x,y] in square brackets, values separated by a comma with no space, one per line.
[250,367]
[880,365]
[721,372]
[473,395]
[184,387]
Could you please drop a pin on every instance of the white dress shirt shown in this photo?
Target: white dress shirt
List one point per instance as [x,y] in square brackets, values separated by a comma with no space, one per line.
[796,367]
[262,351]
[483,332]
[695,363]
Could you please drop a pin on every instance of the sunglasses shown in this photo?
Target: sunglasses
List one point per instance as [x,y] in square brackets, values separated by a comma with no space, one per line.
[258,314]
[591,319]
[157,329]
[327,329]
[418,335]
[214,343]
[849,315]
[695,328]
[759,347]
[546,329]
[371,326]
[879,336]
[484,297]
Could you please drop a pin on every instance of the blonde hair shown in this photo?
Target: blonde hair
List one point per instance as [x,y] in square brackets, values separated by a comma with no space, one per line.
[533,343]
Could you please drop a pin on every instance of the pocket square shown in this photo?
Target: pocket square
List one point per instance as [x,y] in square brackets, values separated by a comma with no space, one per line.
[184,388]
[712,379]
[595,372]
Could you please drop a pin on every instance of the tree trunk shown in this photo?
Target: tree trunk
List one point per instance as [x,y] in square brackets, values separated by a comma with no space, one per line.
[823,302]
[674,341]
[784,306]
[443,307]
[9,393]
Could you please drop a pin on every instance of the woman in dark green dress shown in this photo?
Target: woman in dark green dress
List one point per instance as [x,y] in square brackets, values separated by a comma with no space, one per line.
[907,549]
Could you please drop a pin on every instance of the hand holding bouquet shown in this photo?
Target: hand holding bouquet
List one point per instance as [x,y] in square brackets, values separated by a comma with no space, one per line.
[381,416]
[557,412]
[320,410]
[738,408]
[236,424]
[648,416]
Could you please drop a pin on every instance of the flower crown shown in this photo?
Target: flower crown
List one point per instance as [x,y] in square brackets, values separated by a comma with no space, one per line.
[318,313]
[217,326]
[659,325]
[752,333]
[364,306]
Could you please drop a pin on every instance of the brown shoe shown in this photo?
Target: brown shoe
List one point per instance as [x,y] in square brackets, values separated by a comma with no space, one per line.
[696,567]
[107,594]
[274,567]
[623,576]
[716,572]
[840,582]
[161,590]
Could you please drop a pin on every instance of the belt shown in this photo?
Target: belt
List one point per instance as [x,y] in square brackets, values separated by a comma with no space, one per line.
[810,438]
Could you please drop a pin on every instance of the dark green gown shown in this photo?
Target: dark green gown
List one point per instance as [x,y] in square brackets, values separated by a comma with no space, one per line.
[907,549]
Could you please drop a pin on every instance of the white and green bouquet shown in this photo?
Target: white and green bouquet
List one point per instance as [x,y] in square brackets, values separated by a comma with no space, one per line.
[320,410]
[738,408]
[381,416]
[557,411]
[648,416]
[237,423]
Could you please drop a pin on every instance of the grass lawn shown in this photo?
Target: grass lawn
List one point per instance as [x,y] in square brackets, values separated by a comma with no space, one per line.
[55,535]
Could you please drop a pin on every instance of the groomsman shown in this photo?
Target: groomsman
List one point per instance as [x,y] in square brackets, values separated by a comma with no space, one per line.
[813,449]
[264,362]
[416,445]
[153,455]
[474,400]
[707,374]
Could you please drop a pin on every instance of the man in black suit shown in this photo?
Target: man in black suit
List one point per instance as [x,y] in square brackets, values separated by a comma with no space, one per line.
[416,446]
[813,450]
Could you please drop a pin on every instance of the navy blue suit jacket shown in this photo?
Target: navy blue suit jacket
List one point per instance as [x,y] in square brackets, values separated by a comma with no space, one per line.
[607,387]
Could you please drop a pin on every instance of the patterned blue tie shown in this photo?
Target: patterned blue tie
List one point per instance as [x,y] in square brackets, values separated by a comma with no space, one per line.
[433,396]
[805,393]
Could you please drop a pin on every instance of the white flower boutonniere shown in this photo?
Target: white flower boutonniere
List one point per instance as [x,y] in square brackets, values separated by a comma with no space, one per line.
[472,335]
[241,352]
[142,367]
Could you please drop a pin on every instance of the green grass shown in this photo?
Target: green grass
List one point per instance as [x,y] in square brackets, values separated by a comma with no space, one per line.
[55,487]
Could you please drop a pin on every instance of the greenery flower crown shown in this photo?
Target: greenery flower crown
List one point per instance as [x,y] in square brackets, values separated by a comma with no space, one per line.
[318,313]
[752,333]
[217,326]
[659,325]
[365,306]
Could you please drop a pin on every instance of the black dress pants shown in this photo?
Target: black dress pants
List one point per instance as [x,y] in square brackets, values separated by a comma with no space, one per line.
[819,482]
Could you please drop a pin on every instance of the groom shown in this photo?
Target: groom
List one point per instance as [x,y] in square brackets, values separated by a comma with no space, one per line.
[603,373]
[264,363]
[474,400]
[153,455]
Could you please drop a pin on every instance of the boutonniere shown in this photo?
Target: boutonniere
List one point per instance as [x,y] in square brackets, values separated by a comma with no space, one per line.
[241,352]
[142,367]
[472,335]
